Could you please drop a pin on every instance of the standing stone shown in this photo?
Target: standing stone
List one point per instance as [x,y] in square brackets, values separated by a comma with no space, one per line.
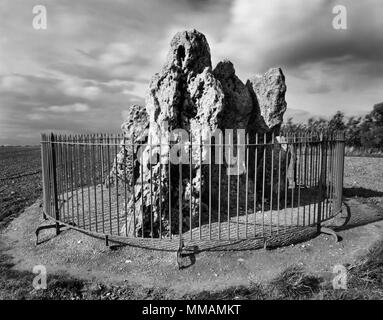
[268,92]
[184,95]
[135,128]
[187,99]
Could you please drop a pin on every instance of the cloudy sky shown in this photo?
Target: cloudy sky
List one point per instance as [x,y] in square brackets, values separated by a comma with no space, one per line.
[96,57]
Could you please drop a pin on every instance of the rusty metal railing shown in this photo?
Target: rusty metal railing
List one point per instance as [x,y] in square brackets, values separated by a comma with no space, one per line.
[283,185]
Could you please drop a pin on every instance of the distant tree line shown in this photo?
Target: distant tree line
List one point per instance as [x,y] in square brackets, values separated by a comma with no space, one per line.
[363,132]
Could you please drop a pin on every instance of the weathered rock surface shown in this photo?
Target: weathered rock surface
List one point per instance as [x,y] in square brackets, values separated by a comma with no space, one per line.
[135,128]
[268,92]
[188,97]
[136,123]
[238,101]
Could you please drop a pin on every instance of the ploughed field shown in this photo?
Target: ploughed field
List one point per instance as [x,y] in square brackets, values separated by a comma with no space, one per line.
[20,178]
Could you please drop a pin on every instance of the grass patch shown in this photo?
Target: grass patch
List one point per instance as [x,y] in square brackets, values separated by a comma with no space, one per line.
[17,285]
[253,292]
[368,272]
[294,283]
[364,282]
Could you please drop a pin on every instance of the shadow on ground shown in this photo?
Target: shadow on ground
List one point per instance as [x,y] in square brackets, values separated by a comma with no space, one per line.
[361,193]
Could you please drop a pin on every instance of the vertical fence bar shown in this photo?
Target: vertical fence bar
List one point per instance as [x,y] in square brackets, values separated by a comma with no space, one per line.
[102,154]
[299,178]
[80,157]
[293,183]
[70,159]
[238,148]
[247,182]
[324,213]
[94,176]
[228,184]
[169,187]
[263,183]
[221,150]
[142,198]
[47,175]
[151,184]
[334,186]
[320,193]
[191,186]
[109,141]
[43,174]
[333,175]
[116,142]
[310,185]
[326,175]
[331,169]
[160,186]
[60,177]
[210,160]
[88,155]
[180,217]
[339,175]
[272,182]
[316,175]
[255,183]
[288,154]
[305,180]
[200,188]
[279,185]
[134,191]
[70,216]
[50,181]
[341,169]
[54,176]
[51,193]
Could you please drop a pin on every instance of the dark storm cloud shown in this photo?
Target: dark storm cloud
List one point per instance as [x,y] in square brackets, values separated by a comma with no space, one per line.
[96,57]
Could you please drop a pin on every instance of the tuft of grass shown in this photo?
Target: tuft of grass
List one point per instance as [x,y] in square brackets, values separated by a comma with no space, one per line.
[363,152]
[368,272]
[253,292]
[294,283]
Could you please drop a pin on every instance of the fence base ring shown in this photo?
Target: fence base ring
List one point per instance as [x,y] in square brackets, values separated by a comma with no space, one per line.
[330,232]
[49,226]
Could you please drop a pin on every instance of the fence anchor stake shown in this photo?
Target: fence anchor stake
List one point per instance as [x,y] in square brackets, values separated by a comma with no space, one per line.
[179,253]
[49,226]
[330,232]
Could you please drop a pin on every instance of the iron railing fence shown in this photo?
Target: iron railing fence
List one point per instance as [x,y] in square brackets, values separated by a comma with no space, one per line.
[100,184]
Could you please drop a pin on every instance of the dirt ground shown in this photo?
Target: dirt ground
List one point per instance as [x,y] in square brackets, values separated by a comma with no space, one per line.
[84,257]
[88,258]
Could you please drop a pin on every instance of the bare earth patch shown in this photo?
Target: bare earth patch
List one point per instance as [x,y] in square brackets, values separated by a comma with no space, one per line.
[88,258]
[156,272]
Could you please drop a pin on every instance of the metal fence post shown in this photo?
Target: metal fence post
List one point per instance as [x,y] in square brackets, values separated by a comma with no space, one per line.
[43,175]
[54,174]
[320,182]
[341,141]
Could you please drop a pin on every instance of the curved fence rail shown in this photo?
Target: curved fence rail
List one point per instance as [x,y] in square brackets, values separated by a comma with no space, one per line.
[264,188]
